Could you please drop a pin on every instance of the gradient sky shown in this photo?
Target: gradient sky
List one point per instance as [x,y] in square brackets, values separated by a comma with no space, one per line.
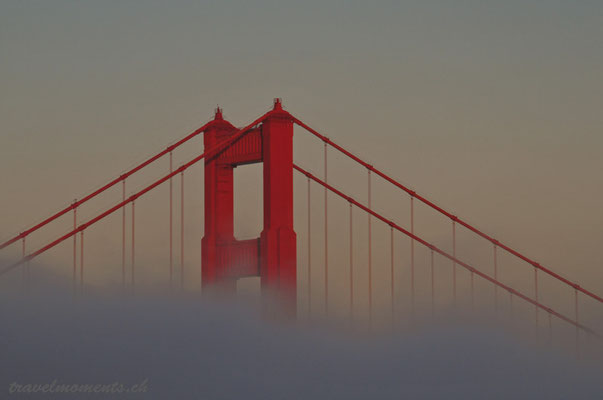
[492,109]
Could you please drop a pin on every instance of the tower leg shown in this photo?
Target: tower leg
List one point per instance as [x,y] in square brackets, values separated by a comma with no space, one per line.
[278,239]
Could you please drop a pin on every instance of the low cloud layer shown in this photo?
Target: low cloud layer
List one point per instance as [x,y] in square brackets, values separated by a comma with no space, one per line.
[189,348]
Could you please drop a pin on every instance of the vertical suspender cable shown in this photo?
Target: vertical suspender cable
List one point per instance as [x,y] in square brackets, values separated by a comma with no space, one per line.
[536,298]
[309,253]
[27,274]
[133,258]
[432,286]
[74,278]
[412,255]
[326,240]
[370,254]
[23,270]
[577,322]
[182,230]
[123,235]
[393,291]
[351,265]
[453,261]
[171,227]
[82,262]
[472,290]
[496,278]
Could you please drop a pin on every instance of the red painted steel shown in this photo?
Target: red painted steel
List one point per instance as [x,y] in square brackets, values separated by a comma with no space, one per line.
[445,254]
[536,297]
[272,256]
[577,330]
[432,286]
[392,278]
[123,235]
[219,200]
[326,239]
[171,225]
[495,277]
[351,263]
[219,147]
[24,272]
[576,303]
[446,213]
[309,252]
[109,185]
[73,283]
[239,259]
[245,151]
[412,255]
[277,243]
[472,290]
[370,254]
[182,230]
[278,239]
[453,262]
[132,251]
[82,261]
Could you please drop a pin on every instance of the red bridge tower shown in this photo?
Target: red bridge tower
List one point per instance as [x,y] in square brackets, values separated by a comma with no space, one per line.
[272,256]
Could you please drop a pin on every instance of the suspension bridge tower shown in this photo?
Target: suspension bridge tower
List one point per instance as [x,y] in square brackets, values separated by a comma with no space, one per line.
[271,256]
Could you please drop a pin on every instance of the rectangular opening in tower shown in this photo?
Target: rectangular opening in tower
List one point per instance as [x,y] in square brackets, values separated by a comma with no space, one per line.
[248,217]
[248,201]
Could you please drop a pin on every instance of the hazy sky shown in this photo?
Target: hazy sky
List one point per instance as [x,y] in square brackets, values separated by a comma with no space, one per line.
[493,109]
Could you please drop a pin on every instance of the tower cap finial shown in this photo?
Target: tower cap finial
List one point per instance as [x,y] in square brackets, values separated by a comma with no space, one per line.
[278,105]
[218,114]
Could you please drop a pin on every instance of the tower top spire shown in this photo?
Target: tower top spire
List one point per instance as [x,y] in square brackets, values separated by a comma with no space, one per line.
[278,104]
[218,114]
